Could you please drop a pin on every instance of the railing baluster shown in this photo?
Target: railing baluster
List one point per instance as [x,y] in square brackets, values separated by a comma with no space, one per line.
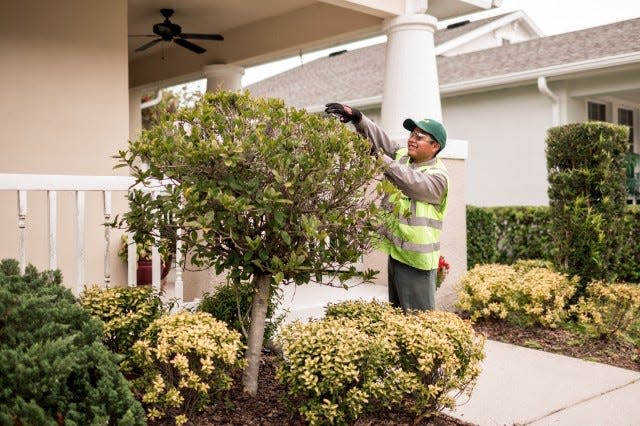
[155,267]
[22,223]
[107,236]
[132,261]
[53,221]
[79,241]
[178,285]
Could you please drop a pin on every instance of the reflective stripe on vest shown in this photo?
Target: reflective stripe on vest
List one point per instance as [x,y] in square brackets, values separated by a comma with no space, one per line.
[412,235]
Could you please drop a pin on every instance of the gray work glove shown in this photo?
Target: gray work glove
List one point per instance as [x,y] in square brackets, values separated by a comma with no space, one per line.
[344,112]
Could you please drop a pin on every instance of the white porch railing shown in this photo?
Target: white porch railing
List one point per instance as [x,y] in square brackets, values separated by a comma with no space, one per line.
[23,183]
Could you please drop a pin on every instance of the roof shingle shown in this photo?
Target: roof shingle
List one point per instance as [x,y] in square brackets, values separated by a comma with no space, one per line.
[359,73]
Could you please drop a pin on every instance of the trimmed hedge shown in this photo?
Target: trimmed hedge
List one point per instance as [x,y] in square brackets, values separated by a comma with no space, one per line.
[482,238]
[508,234]
[54,368]
[587,194]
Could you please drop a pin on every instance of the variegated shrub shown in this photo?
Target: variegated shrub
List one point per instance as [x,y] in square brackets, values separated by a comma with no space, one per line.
[522,294]
[187,359]
[365,356]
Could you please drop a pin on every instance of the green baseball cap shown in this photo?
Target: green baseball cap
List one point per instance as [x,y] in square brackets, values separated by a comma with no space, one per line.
[433,127]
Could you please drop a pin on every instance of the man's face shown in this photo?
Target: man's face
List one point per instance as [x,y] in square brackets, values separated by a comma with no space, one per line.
[421,146]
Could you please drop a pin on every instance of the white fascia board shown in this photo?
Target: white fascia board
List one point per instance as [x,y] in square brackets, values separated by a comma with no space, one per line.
[34,182]
[472,35]
[378,8]
[361,103]
[551,71]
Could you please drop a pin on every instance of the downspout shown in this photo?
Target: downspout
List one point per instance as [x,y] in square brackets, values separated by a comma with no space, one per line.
[555,100]
[153,102]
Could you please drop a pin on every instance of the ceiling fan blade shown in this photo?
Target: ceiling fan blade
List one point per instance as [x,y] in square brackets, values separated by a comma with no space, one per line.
[188,45]
[202,36]
[148,45]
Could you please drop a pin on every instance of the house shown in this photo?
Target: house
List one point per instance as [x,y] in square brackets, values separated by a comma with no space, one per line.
[502,85]
[72,77]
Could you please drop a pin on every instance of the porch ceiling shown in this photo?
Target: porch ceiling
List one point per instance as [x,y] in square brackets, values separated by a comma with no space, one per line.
[258,31]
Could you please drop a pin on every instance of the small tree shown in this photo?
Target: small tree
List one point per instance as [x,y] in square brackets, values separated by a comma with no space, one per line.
[263,192]
[587,195]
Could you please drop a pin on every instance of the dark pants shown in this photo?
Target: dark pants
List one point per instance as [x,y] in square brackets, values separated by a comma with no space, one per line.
[411,288]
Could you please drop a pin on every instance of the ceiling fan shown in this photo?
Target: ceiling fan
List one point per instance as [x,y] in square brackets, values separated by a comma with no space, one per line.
[168,31]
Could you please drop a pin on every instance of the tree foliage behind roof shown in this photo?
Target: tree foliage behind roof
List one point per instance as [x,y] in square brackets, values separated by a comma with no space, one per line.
[256,187]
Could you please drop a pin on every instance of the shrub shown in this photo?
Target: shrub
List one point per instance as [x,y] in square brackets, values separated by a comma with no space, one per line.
[522,294]
[522,233]
[264,192]
[187,359]
[482,239]
[608,310]
[362,357]
[125,311]
[629,270]
[231,303]
[587,175]
[53,367]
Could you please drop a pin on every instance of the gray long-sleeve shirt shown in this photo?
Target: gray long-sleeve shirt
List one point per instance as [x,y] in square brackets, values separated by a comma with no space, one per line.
[426,187]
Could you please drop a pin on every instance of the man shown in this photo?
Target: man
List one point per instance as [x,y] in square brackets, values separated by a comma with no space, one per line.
[412,236]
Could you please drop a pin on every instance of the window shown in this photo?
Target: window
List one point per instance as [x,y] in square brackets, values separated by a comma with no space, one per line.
[596,111]
[625,116]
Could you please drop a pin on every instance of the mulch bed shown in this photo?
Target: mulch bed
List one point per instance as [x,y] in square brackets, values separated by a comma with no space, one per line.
[270,406]
[564,342]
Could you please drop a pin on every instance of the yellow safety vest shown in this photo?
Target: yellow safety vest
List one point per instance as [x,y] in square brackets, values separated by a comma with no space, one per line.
[412,236]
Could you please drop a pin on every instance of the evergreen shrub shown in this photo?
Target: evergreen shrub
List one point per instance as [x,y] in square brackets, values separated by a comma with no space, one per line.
[482,238]
[609,310]
[231,303]
[54,368]
[362,357]
[187,360]
[125,311]
[522,233]
[523,294]
[629,269]
[587,194]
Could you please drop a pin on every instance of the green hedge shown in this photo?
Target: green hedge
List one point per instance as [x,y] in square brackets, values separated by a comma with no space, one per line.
[508,234]
[54,368]
[482,238]
[587,195]
[630,265]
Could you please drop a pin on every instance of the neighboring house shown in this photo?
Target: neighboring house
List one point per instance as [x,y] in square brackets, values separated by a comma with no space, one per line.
[502,86]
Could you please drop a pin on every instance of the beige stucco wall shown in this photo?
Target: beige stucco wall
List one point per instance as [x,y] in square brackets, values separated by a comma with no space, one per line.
[64,105]
[506,130]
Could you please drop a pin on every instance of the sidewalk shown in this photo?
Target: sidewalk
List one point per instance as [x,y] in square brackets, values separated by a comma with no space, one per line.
[517,386]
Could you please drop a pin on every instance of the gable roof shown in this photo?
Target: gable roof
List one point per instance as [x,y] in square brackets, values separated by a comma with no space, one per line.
[358,74]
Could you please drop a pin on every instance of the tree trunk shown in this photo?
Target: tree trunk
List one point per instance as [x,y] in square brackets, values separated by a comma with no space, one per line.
[256,333]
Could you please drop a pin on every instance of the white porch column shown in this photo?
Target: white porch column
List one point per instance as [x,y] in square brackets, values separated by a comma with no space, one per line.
[223,77]
[135,115]
[411,77]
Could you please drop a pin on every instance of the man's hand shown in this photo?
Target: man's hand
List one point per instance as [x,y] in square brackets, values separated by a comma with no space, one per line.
[345,113]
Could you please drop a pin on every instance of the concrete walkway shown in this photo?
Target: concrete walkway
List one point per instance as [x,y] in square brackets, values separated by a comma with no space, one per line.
[517,386]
